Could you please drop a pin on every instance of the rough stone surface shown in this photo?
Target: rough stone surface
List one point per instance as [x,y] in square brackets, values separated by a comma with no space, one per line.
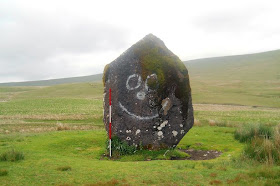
[151,95]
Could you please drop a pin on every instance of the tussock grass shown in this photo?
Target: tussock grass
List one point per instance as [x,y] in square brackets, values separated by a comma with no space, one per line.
[263,143]
[265,172]
[213,174]
[248,132]
[3,172]
[215,182]
[276,137]
[212,122]
[186,166]
[208,165]
[237,179]
[197,123]
[61,126]
[64,168]
[191,166]
[112,182]
[120,147]
[11,155]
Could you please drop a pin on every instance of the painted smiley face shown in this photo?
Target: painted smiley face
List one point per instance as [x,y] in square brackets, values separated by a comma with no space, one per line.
[135,85]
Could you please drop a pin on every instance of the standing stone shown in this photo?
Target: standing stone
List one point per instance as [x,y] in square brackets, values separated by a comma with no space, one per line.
[151,96]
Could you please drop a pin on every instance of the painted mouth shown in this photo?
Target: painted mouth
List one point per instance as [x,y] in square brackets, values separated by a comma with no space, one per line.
[136,116]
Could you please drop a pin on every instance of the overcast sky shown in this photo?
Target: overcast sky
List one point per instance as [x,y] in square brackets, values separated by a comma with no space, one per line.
[62,38]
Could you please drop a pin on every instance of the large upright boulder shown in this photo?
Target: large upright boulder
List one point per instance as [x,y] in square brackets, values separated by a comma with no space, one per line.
[151,96]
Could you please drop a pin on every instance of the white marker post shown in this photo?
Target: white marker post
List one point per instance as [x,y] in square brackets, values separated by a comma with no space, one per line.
[110,122]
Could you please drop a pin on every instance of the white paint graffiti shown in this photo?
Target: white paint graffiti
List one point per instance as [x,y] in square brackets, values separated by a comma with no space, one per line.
[138,82]
[137,131]
[148,77]
[136,116]
[141,95]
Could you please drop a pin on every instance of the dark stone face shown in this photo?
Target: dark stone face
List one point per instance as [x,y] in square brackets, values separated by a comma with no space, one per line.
[151,97]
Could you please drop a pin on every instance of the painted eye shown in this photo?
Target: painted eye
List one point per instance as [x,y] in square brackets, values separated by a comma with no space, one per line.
[151,82]
[133,82]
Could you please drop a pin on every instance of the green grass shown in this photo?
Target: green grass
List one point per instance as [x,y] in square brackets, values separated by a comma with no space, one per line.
[79,153]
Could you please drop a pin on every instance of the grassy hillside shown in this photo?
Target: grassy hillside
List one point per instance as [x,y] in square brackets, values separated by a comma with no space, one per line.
[92,78]
[252,79]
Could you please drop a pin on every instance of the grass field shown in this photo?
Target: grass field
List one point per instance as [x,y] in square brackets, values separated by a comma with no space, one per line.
[54,135]
[59,130]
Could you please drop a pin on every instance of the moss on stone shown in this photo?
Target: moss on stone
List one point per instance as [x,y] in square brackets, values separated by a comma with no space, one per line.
[105,74]
[156,58]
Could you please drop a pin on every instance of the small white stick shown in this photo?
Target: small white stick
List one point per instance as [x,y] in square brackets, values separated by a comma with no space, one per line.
[110,146]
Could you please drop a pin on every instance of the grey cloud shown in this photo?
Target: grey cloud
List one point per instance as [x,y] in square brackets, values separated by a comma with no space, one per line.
[29,41]
[221,21]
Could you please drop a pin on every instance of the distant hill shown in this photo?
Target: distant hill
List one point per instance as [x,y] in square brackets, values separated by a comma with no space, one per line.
[249,67]
[252,79]
[259,66]
[82,79]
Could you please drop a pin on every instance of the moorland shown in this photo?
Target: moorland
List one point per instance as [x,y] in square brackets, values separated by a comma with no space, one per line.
[53,134]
